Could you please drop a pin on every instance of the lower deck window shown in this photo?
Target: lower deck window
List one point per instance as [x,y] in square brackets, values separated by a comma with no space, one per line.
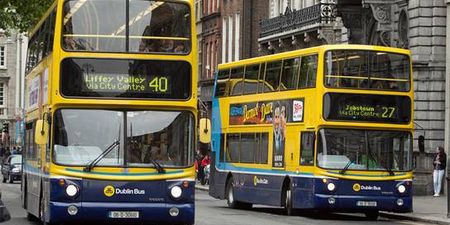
[245,148]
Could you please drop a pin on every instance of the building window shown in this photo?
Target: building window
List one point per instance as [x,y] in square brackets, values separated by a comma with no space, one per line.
[2,56]
[237,37]
[230,39]
[207,66]
[224,40]
[2,99]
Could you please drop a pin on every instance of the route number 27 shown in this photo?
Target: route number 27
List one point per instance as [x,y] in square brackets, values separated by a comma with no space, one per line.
[388,112]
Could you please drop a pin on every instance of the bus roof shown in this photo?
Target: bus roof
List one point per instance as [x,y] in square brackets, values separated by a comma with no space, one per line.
[312,50]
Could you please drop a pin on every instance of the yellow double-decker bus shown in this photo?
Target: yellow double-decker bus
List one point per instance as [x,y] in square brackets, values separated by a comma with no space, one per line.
[111,102]
[326,128]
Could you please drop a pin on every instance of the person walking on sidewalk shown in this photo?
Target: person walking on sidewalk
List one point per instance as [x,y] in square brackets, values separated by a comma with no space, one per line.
[439,163]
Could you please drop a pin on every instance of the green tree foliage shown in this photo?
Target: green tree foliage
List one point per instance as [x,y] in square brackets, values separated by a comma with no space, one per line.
[21,14]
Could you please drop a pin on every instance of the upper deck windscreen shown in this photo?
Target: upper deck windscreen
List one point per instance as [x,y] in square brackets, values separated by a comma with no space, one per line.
[134,26]
[360,69]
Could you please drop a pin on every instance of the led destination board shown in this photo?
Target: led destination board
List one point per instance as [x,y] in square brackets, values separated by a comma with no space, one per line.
[125,78]
[370,108]
[127,83]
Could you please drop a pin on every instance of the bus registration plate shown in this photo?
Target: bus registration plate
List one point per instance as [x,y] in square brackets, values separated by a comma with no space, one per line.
[366,203]
[123,214]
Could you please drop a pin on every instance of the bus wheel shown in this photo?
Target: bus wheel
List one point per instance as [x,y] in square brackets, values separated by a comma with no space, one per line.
[30,217]
[231,201]
[230,194]
[24,194]
[42,212]
[288,210]
[372,215]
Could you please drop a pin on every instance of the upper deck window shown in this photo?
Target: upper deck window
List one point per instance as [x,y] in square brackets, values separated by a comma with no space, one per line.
[126,26]
[360,69]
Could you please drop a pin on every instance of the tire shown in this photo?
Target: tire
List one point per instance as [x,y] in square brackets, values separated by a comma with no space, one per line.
[372,215]
[10,179]
[24,194]
[31,217]
[231,201]
[42,212]
[4,179]
[287,202]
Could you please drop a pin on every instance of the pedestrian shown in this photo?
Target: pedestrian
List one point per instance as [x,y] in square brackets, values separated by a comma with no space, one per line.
[200,172]
[439,163]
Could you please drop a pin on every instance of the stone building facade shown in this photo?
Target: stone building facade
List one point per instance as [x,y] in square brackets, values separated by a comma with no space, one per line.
[210,43]
[11,86]
[229,33]
[296,24]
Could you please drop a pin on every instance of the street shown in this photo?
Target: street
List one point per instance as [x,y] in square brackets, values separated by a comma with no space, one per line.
[210,211]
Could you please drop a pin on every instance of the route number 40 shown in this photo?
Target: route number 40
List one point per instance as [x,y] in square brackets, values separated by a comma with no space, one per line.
[159,84]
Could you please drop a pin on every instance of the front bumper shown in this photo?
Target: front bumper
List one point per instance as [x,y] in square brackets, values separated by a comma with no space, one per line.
[350,203]
[157,213]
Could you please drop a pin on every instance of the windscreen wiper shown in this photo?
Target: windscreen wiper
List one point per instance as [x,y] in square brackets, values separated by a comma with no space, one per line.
[375,160]
[94,162]
[158,166]
[385,167]
[346,167]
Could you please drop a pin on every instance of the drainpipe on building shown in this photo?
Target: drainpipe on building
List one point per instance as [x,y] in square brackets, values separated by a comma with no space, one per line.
[447,102]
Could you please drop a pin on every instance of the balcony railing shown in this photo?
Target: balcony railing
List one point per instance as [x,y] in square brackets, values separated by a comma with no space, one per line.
[316,14]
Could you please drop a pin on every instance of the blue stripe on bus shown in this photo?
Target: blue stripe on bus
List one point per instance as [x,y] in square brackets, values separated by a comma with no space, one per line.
[217,123]
[124,174]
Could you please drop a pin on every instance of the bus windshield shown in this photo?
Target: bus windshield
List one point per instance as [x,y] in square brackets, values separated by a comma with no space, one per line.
[359,69]
[364,150]
[81,135]
[126,26]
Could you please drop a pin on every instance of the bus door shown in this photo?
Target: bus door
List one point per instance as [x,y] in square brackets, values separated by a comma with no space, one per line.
[303,192]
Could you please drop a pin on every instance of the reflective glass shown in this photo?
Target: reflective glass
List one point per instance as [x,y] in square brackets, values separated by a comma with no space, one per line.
[102,26]
[364,150]
[81,135]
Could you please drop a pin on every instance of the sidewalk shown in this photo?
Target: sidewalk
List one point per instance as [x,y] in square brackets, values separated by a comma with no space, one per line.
[427,209]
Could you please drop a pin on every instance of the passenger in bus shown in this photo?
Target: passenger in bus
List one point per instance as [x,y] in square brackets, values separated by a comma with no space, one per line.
[80,44]
[69,43]
[134,152]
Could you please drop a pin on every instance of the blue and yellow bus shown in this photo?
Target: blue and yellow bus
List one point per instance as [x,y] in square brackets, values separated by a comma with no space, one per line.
[327,128]
[111,97]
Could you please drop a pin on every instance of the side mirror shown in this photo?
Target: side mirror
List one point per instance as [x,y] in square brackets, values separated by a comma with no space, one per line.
[205,130]
[421,143]
[41,132]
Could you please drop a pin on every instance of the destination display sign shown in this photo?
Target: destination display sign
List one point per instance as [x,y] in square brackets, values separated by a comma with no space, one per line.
[367,108]
[127,83]
[114,78]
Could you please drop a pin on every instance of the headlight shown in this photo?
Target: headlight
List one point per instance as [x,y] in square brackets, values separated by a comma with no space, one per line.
[176,192]
[71,190]
[331,186]
[401,188]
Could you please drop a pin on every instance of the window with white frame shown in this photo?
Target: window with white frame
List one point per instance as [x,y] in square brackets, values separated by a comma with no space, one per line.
[3,56]
[2,94]
[2,99]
